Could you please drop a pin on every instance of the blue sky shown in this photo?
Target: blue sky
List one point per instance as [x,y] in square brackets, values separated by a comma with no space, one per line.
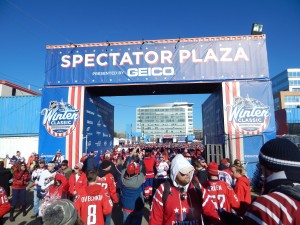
[28,26]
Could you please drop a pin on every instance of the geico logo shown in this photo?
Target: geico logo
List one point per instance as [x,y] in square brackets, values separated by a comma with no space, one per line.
[154,71]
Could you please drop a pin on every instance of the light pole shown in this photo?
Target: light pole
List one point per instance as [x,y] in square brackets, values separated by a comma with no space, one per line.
[86,142]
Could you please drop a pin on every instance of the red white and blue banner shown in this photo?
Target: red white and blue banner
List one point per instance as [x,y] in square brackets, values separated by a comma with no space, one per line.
[174,60]
[61,123]
[248,115]
[75,123]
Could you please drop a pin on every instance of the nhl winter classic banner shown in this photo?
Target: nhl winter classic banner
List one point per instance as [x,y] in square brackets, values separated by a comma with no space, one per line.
[61,123]
[248,115]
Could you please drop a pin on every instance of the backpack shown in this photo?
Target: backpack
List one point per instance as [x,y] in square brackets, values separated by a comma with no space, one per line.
[167,185]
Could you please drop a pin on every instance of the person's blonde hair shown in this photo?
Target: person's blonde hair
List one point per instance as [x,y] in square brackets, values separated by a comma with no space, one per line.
[239,169]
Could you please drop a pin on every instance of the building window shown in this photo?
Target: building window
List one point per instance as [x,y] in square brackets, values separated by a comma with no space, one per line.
[13,92]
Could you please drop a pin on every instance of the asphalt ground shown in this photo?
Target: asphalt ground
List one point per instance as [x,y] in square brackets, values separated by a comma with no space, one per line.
[117,215]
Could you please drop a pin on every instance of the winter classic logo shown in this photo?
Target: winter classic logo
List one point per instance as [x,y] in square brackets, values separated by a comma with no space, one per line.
[248,115]
[60,119]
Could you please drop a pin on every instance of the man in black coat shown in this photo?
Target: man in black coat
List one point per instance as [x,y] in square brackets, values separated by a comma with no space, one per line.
[90,163]
[5,175]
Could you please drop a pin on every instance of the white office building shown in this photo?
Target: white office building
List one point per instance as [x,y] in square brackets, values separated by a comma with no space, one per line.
[172,120]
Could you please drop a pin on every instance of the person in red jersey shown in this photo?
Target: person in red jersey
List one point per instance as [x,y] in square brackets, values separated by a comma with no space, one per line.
[106,180]
[242,188]
[93,202]
[280,201]
[150,163]
[225,173]
[221,193]
[77,180]
[56,191]
[4,204]
[184,204]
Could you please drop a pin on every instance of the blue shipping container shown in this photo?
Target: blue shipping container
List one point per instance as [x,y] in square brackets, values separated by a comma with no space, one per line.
[20,115]
[293,115]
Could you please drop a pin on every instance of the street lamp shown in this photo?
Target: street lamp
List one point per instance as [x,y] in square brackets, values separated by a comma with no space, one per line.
[257,29]
[86,142]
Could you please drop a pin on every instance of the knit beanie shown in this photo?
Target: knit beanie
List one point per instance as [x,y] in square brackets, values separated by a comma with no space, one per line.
[281,155]
[212,169]
[61,212]
[105,164]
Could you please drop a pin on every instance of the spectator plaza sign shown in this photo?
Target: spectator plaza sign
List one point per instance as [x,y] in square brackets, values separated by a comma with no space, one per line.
[233,68]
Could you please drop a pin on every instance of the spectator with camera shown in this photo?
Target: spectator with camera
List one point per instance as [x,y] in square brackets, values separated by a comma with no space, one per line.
[132,194]
[20,181]
[135,155]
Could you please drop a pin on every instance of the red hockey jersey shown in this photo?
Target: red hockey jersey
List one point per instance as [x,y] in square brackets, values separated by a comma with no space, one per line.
[4,203]
[177,211]
[150,167]
[58,192]
[92,204]
[221,194]
[108,183]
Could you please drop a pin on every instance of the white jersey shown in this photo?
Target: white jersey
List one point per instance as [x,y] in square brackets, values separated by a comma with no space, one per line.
[162,169]
[44,180]
[224,176]
[36,175]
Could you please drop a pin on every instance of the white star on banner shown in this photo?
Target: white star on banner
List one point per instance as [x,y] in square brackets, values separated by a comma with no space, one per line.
[184,210]
[176,210]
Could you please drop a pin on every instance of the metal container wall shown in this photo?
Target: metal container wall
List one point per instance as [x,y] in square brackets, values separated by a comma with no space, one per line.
[293,115]
[20,115]
[213,118]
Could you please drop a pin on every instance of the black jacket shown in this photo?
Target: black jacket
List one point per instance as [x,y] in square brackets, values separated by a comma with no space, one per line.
[5,175]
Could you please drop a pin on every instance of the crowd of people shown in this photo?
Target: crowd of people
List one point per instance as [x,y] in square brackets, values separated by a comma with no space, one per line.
[177,182]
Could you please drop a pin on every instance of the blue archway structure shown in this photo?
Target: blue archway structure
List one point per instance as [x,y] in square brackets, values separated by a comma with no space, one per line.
[233,68]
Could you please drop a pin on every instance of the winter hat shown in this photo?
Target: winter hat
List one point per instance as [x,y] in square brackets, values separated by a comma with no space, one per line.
[65,162]
[51,163]
[224,162]
[79,166]
[212,169]
[105,164]
[200,159]
[61,212]
[281,155]
[133,168]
